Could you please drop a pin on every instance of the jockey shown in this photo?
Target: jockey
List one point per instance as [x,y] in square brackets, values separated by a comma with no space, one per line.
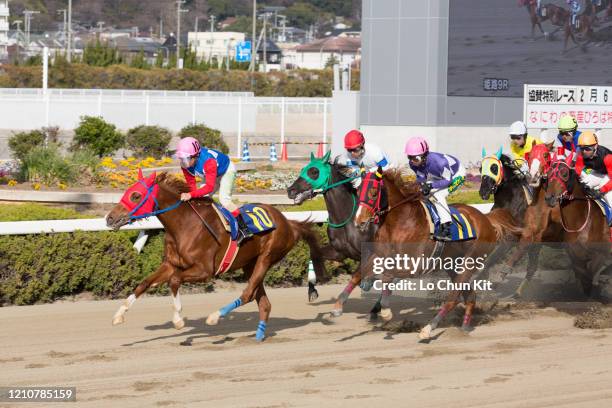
[361,154]
[439,172]
[575,8]
[594,166]
[218,173]
[521,144]
[566,143]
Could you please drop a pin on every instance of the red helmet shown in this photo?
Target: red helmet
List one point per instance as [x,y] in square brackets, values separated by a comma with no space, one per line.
[353,139]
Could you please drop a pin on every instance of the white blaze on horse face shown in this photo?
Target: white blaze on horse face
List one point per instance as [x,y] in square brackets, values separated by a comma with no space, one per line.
[534,169]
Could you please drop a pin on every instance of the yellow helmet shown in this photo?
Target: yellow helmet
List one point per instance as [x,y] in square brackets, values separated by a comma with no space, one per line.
[567,124]
[587,139]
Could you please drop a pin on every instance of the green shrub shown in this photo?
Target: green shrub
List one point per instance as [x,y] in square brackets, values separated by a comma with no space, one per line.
[97,135]
[208,137]
[34,211]
[146,141]
[23,142]
[42,268]
[47,165]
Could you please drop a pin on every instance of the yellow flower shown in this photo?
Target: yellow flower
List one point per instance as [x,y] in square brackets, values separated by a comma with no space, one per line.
[114,185]
[124,163]
[61,186]
[36,186]
[12,183]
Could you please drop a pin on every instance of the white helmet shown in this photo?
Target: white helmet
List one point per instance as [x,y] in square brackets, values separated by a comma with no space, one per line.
[548,136]
[518,128]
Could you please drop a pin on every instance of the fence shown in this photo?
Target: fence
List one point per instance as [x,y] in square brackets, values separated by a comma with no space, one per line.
[239,116]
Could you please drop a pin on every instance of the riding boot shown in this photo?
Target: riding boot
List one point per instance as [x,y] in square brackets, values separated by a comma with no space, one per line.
[444,233]
[243,231]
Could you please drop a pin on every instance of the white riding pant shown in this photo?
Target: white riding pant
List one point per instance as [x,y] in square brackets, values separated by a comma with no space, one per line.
[596,181]
[225,185]
[440,199]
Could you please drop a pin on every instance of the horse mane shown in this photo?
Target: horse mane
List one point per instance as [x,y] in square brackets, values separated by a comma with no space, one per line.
[171,183]
[408,190]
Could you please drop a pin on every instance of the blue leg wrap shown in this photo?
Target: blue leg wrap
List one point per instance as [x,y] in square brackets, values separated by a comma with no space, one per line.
[261,330]
[224,311]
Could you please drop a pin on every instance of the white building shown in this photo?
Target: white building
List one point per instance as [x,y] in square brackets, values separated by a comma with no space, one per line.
[315,55]
[4,29]
[221,44]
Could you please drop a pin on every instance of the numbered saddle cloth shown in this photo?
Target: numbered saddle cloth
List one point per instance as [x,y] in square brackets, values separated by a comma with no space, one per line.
[230,222]
[256,218]
[461,230]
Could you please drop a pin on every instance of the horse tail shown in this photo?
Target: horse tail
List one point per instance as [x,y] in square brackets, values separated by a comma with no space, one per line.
[302,230]
[504,224]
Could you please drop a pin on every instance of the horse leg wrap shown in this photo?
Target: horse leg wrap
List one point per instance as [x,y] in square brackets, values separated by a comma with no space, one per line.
[385,297]
[467,320]
[224,311]
[346,293]
[261,330]
[436,320]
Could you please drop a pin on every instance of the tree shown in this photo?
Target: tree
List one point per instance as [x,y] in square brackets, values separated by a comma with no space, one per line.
[302,14]
[139,61]
[97,135]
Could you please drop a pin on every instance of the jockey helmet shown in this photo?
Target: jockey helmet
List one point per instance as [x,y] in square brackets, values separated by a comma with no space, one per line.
[567,124]
[187,147]
[587,139]
[416,146]
[517,128]
[353,139]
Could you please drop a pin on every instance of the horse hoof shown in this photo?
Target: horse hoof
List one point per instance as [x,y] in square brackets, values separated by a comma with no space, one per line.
[179,324]
[386,314]
[425,332]
[336,312]
[312,296]
[118,320]
[259,339]
[213,318]
[467,328]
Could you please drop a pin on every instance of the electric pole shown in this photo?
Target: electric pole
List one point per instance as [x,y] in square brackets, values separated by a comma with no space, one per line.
[265,58]
[212,23]
[253,41]
[69,45]
[63,11]
[179,10]
[28,22]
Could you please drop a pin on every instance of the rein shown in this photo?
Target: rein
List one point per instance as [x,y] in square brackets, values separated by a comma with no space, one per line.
[156,211]
[326,188]
[208,227]
[586,221]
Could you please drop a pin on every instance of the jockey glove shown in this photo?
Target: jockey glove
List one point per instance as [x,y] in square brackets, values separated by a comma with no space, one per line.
[426,187]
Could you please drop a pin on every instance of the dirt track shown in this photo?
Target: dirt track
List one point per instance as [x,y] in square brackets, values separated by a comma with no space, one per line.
[523,358]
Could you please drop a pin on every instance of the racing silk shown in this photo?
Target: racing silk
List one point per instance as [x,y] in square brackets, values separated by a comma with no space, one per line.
[600,164]
[439,168]
[210,164]
[564,149]
[521,152]
[372,158]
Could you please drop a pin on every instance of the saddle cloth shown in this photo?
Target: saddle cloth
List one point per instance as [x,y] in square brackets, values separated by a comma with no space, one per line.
[461,230]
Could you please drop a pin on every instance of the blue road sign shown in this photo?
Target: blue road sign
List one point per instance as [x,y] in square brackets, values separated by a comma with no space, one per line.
[243,51]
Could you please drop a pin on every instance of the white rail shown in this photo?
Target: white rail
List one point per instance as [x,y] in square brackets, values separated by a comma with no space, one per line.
[99,224]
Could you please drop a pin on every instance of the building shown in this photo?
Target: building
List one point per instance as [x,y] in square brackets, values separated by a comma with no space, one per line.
[317,54]
[219,45]
[4,29]
[273,57]
[134,45]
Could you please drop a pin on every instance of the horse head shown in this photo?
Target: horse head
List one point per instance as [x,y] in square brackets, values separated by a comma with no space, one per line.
[539,160]
[492,173]
[138,200]
[370,199]
[314,176]
[560,180]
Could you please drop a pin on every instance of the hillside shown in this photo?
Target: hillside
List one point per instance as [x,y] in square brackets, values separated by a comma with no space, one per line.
[148,14]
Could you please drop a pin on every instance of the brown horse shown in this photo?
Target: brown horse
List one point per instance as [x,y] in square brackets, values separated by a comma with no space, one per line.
[548,12]
[196,241]
[404,221]
[562,213]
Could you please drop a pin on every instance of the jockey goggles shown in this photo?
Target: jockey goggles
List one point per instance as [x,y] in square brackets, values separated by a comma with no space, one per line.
[588,148]
[416,158]
[517,137]
[185,162]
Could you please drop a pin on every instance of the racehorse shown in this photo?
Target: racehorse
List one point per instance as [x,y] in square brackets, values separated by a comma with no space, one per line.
[403,221]
[196,241]
[555,14]
[558,200]
[501,176]
[333,180]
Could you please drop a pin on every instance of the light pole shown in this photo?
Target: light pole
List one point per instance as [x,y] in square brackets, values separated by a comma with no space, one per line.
[212,23]
[69,42]
[253,41]
[179,10]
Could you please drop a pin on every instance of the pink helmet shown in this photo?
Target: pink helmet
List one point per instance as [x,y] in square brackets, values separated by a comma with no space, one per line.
[187,147]
[416,146]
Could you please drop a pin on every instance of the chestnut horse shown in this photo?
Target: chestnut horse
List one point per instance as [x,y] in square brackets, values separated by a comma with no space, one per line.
[196,241]
[404,221]
[562,213]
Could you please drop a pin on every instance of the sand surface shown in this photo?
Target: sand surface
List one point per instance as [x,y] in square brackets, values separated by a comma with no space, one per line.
[522,356]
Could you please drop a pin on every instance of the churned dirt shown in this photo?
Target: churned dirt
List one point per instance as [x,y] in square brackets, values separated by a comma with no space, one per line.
[525,355]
